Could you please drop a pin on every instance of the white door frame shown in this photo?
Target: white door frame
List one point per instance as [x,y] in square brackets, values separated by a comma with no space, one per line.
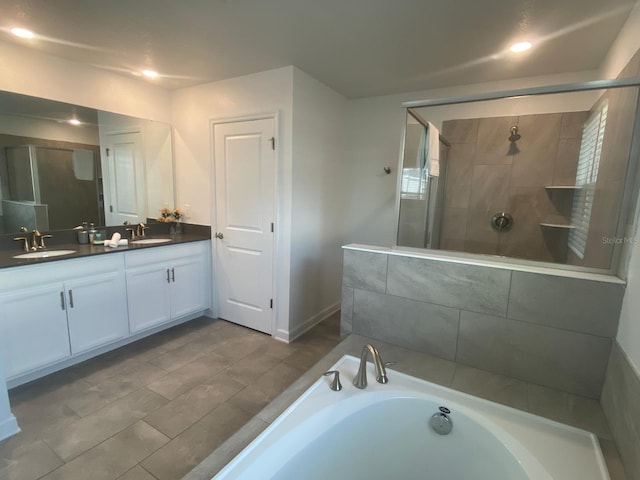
[277,269]
[107,178]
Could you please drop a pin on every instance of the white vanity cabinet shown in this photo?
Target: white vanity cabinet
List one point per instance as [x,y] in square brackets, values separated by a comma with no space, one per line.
[166,283]
[51,311]
[33,329]
[96,310]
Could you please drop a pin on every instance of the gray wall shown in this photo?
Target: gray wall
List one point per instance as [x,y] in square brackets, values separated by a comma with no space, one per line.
[546,329]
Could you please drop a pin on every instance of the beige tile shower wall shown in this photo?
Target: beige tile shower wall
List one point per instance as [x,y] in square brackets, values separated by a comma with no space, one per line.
[552,330]
[488,174]
[614,161]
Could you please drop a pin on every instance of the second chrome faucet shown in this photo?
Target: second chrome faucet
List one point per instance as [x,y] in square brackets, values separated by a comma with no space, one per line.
[381,374]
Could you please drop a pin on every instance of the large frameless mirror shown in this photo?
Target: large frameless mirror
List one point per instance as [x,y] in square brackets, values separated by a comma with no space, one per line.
[62,164]
[535,177]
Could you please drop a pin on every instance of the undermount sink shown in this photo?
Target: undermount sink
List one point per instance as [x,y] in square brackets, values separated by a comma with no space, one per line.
[150,241]
[45,254]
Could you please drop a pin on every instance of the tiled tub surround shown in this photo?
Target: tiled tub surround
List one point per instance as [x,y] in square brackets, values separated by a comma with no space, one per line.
[552,328]
[620,404]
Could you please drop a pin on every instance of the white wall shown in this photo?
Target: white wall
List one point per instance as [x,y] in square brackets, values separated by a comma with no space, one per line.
[29,72]
[318,213]
[193,111]
[375,127]
[624,47]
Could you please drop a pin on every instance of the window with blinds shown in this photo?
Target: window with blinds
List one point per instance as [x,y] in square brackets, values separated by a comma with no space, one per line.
[586,176]
[414,184]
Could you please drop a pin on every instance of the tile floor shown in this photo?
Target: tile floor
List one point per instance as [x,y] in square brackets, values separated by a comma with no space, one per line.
[153,409]
[156,409]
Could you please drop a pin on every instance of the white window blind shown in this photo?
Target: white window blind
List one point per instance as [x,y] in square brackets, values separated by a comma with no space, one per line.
[414,183]
[586,176]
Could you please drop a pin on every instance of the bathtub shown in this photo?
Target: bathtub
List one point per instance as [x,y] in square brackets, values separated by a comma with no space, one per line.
[383,432]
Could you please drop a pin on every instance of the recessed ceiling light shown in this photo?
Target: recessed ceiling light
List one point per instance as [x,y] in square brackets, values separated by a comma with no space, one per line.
[22,32]
[74,121]
[150,73]
[520,47]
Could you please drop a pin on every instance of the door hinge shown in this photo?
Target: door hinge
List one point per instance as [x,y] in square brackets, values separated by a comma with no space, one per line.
[111,208]
[107,150]
[271,303]
[271,227]
[273,143]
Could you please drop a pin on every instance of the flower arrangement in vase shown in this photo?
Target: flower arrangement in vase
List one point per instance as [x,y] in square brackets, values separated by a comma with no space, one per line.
[173,217]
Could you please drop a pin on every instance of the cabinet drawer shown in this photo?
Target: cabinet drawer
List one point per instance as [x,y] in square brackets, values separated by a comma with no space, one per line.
[165,253]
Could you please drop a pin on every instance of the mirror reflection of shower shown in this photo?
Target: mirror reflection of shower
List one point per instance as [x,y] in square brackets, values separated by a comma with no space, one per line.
[513,138]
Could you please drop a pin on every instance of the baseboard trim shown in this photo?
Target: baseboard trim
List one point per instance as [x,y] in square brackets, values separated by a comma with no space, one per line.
[8,427]
[312,321]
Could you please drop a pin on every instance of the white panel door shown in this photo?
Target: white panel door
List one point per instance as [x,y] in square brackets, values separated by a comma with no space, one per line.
[245,177]
[125,199]
[96,311]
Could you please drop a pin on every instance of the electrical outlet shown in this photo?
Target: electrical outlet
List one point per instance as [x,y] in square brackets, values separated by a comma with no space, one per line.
[187,210]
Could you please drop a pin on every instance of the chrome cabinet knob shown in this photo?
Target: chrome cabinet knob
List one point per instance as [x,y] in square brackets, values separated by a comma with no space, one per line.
[219,235]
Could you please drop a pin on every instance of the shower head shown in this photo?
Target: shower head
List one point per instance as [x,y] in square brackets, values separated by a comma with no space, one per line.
[515,136]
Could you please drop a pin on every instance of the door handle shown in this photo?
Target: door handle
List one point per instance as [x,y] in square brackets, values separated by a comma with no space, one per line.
[71,298]
[62,300]
[173,275]
[168,278]
[219,235]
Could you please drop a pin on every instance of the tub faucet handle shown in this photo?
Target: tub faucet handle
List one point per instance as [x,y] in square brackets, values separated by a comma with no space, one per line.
[336,386]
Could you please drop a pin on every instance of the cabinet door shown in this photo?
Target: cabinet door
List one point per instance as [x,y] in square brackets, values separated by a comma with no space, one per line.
[96,310]
[187,286]
[148,296]
[33,328]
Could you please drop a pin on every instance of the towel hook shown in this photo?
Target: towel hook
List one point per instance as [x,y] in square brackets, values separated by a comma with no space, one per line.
[387,170]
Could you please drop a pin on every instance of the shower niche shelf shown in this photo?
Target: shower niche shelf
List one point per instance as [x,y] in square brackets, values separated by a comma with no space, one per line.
[557,225]
[563,187]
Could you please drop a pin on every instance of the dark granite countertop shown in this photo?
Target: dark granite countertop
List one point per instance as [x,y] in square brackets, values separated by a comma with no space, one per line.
[64,240]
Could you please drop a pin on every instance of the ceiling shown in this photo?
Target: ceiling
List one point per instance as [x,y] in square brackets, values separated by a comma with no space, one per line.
[43,109]
[359,48]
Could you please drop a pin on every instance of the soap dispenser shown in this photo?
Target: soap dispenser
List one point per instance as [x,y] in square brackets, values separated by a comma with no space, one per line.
[92,233]
[83,234]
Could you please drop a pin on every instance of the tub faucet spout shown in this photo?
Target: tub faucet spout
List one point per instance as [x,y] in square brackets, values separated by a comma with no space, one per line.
[381,374]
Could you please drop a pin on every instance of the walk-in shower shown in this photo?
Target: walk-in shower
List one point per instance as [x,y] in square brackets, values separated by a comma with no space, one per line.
[544,175]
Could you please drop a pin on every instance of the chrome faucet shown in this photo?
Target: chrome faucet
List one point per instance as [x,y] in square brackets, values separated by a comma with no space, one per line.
[141,228]
[25,245]
[34,239]
[130,228]
[381,374]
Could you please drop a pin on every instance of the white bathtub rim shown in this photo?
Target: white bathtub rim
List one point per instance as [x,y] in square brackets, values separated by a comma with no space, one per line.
[527,459]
